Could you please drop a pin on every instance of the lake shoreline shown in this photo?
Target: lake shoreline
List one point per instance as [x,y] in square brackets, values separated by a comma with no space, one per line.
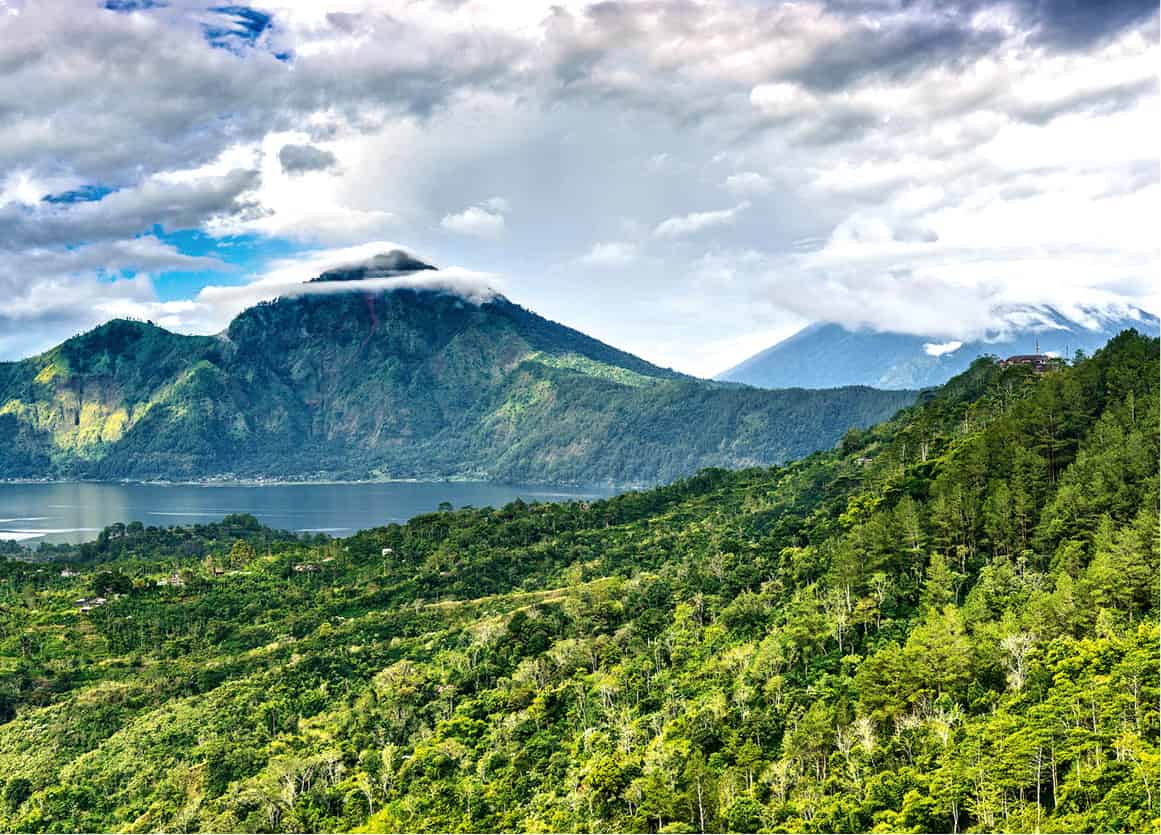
[323,482]
[76,511]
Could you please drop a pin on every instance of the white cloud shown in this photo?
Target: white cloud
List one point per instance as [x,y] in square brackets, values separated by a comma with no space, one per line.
[782,99]
[222,303]
[215,305]
[74,289]
[143,253]
[938,349]
[681,226]
[476,221]
[909,167]
[162,201]
[611,254]
[496,204]
[748,182]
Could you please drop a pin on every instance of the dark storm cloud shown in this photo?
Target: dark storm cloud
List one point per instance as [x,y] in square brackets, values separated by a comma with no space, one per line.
[299,159]
[1078,24]
[896,51]
[1060,24]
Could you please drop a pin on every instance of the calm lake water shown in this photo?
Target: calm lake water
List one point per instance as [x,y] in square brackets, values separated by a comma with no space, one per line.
[77,511]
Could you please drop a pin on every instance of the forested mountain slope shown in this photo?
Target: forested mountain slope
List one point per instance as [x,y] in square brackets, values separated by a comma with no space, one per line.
[402,383]
[949,623]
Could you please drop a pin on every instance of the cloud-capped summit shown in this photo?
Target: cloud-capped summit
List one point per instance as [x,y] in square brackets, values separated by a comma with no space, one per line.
[384,265]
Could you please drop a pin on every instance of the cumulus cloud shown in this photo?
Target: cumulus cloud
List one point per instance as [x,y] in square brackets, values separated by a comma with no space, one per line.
[143,253]
[156,202]
[74,289]
[681,226]
[41,313]
[938,349]
[483,221]
[611,254]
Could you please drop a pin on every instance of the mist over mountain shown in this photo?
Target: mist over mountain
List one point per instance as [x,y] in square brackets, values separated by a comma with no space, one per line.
[414,380]
[826,355]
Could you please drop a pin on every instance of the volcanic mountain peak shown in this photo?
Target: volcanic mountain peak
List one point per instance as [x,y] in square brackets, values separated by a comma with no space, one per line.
[384,265]
[408,375]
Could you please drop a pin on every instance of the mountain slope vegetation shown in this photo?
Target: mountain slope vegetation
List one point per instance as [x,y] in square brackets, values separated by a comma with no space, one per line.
[948,623]
[404,383]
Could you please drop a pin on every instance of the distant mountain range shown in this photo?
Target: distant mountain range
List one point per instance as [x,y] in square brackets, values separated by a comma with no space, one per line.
[827,355]
[411,381]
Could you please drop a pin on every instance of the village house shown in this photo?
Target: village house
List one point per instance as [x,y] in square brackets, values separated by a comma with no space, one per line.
[174,579]
[87,604]
[1038,362]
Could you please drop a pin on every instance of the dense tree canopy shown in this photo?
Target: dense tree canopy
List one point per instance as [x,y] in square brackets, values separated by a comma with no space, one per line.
[949,623]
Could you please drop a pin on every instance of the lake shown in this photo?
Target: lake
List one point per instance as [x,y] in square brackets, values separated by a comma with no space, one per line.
[77,511]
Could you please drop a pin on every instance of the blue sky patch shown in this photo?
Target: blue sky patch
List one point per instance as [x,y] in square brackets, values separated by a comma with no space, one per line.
[238,26]
[132,5]
[84,194]
[246,254]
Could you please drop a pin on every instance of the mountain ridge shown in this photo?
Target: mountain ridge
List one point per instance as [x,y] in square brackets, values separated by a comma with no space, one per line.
[404,382]
[827,354]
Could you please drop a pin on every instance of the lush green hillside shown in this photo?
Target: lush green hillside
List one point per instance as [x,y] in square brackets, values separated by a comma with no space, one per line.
[949,623]
[400,384]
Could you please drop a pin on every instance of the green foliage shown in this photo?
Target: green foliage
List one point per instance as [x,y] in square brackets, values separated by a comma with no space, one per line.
[111,582]
[403,384]
[949,624]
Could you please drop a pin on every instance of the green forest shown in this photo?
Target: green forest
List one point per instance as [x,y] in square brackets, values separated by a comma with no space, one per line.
[947,623]
[399,384]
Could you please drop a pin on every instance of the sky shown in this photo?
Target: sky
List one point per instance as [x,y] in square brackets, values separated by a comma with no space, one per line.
[690,181]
